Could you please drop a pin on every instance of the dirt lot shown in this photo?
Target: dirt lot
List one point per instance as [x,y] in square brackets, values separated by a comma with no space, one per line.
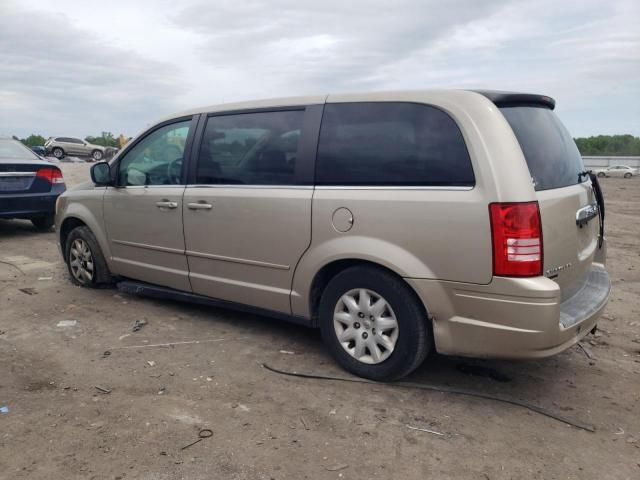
[265,426]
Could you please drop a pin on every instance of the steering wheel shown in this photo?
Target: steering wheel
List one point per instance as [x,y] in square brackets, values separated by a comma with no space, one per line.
[174,171]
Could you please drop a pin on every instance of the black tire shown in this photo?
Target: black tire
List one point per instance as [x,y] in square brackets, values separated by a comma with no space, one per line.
[58,153]
[97,155]
[414,332]
[602,174]
[44,223]
[627,175]
[101,276]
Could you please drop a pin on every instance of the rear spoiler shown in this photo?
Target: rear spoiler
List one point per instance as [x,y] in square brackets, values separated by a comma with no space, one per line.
[512,99]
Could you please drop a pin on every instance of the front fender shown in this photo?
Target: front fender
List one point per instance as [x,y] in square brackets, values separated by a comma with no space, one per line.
[86,206]
[388,255]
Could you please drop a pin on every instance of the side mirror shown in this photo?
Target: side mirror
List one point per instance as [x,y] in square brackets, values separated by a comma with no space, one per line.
[101,174]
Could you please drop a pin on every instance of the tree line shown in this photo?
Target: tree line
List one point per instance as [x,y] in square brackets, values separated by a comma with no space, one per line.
[106,139]
[624,145]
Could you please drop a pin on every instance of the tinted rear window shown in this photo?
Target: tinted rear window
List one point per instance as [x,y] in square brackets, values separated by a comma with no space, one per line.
[394,144]
[551,154]
[14,150]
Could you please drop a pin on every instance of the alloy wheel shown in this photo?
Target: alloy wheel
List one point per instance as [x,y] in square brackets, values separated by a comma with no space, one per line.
[81,261]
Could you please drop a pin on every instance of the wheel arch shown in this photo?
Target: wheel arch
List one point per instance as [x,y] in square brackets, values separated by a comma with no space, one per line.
[78,215]
[67,225]
[328,271]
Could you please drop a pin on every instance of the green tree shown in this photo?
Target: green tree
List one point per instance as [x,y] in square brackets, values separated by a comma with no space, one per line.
[623,145]
[32,140]
[106,139]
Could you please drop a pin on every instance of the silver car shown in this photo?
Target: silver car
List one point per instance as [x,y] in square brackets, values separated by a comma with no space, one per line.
[61,146]
[398,223]
[618,171]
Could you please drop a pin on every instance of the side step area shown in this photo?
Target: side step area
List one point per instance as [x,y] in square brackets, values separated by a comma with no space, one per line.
[133,287]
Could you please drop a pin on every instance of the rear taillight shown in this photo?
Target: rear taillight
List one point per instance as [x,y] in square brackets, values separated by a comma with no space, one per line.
[51,174]
[517,239]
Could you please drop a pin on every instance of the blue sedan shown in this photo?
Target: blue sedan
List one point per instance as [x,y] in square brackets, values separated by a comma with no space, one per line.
[29,186]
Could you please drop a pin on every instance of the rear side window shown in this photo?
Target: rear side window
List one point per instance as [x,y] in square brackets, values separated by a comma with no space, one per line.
[391,144]
[551,154]
[250,149]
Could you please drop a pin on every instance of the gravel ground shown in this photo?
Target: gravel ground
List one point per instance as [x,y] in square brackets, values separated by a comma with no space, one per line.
[266,426]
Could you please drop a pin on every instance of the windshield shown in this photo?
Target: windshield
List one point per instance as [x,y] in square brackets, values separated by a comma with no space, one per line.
[551,154]
[15,150]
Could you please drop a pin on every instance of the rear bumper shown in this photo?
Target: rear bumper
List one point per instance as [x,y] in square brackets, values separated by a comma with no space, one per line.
[27,205]
[510,317]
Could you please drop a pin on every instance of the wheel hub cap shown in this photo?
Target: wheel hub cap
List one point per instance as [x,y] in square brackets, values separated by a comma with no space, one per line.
[365,325]
[81,261]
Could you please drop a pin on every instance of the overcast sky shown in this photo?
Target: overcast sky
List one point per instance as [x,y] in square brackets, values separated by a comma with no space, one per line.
[77,68]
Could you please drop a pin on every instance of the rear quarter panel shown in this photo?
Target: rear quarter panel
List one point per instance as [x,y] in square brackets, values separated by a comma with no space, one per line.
[423,233]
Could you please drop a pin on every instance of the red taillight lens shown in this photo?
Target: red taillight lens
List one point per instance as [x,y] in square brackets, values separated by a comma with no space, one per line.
[517,239]
[51,174]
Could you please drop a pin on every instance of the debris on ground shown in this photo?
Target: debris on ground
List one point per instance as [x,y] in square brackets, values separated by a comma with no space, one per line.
[137,326]
[4,409]
[104,390]
[28,290]
[336,468]
[287,352]
[13,265]
[425,430]
[44,278]
[151,363]
[304,423]
[170,344]
[587,350]
[66,323]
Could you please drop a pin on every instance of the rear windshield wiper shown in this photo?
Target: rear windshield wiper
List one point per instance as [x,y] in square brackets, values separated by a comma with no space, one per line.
[597,191]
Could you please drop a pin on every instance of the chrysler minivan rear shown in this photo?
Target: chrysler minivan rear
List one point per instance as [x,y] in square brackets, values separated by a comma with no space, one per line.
[549,284]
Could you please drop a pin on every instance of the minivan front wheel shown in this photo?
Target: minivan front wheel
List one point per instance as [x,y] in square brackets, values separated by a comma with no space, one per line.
[96,155]
[373,324]
[85,261]
[627,175]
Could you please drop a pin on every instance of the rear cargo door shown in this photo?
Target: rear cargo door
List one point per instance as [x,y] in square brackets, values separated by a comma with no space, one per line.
[568,209]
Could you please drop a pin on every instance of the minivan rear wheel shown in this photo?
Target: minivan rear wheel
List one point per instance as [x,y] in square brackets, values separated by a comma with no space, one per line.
[373,324]
[85,261]
[96,155]
[627,175]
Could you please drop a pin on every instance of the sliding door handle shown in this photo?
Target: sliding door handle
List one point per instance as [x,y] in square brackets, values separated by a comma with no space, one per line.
[199,206]
[167,204]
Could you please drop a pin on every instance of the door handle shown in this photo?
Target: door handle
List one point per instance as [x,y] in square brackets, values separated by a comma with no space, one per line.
[167,204]
[199,206]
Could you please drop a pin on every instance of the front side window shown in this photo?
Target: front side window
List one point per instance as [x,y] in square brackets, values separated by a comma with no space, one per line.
[250,149]
[157,158]
[391,144]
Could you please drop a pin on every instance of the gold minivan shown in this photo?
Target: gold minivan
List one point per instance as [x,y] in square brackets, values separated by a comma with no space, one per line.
[398,223]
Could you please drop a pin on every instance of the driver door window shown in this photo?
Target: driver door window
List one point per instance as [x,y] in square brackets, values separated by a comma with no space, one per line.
[157,159]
